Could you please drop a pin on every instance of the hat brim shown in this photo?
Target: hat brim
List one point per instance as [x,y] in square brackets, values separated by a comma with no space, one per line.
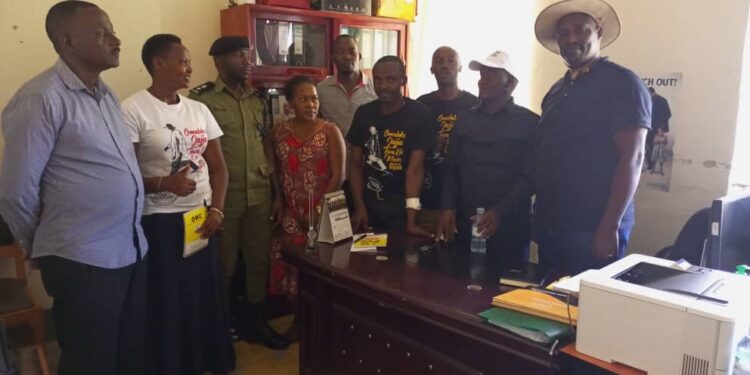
[477,65]
[545,27]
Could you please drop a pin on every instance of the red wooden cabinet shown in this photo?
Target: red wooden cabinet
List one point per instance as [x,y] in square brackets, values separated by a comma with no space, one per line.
[290,41]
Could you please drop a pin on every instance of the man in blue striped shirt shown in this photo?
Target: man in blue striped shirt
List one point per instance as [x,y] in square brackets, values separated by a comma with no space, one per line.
[72,194]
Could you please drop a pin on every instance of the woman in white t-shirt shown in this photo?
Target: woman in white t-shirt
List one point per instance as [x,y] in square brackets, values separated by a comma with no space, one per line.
[177,144]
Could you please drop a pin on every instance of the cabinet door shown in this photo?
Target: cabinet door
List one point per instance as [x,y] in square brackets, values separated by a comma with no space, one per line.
[287,41]
[281,42]
[374,39]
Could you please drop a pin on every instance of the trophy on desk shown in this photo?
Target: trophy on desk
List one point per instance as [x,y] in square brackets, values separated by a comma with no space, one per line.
[311,233]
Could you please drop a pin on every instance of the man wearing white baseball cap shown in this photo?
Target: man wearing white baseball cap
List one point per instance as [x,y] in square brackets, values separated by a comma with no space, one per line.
[488,164]
[593,127]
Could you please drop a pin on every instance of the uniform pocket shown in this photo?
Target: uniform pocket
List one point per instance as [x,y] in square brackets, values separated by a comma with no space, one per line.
[265,170]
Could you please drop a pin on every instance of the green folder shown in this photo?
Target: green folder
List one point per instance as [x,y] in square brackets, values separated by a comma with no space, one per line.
[534,328]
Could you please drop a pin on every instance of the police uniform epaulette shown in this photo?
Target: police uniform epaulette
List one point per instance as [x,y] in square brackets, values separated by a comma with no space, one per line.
[200,90]
[262,94]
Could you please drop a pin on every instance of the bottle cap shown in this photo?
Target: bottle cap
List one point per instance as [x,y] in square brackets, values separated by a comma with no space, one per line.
[742,269]
[474,288]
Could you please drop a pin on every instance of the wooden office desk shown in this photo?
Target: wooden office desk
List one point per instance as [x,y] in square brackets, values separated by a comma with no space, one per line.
[574,362]
[409,314]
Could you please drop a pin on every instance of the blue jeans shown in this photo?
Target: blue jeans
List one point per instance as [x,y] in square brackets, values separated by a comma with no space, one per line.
[569,251]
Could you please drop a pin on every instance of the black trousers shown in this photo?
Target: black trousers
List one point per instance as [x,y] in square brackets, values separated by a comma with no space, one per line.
[99,316]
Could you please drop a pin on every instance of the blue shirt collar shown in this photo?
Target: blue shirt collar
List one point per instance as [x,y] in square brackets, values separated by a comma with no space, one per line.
[574,74]
[72,82]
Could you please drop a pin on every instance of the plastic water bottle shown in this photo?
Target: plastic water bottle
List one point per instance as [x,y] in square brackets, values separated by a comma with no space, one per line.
[478,243]
[742,357]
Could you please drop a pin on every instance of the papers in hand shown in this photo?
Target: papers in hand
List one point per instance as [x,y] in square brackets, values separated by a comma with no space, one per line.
[369,242]
[193,221]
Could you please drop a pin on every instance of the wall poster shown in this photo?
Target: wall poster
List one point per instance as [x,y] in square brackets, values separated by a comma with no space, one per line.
[660,142]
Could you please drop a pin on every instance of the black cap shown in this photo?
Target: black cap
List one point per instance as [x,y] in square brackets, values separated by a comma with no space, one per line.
[227,44]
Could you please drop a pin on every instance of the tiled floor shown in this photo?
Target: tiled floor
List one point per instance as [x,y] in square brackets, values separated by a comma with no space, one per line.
[251,359]
[259,360]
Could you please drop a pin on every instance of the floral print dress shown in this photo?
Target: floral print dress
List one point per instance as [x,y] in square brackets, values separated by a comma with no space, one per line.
[303,168]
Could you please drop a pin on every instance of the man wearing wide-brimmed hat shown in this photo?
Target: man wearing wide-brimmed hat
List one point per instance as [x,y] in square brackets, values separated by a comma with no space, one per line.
[593,127]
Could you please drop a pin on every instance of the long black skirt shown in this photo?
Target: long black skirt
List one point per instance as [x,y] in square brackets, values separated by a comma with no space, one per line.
[188,318]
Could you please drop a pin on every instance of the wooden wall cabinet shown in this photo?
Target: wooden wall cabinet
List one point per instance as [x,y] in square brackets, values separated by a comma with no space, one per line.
[291,41]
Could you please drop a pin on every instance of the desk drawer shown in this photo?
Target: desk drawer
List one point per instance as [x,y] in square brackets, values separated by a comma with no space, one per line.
[366,347]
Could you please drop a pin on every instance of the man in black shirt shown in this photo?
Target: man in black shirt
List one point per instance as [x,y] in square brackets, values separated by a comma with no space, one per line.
[446,102]
[389,138]
[488,165]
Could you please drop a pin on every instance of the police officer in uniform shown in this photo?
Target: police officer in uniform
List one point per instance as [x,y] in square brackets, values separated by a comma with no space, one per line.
[251,208]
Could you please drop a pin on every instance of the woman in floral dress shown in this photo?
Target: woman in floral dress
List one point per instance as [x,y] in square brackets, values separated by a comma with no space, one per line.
[310,158]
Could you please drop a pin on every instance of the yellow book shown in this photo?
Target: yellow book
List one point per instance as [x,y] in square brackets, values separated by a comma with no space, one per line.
[193,221]
[538,303]
[371,240]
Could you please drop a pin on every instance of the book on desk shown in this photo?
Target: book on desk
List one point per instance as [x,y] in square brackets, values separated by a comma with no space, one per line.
[369,242]
[527,275]
[534,328]
[539,302]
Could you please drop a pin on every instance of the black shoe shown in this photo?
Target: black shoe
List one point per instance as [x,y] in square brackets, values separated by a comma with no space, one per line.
[265,335]
[258,331]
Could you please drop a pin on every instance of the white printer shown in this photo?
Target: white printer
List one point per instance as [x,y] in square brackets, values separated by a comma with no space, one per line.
[642,312]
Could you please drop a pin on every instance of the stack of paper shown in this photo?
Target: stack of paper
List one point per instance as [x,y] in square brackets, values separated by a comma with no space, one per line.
[369,242]
[531,327]
[571,284]
[545,304]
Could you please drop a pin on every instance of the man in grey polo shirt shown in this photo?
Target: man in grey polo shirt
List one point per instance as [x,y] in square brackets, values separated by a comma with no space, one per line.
[340,95]
[72,194]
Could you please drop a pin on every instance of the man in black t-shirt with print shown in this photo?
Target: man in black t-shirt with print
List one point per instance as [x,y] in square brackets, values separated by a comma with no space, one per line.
[446,102]
[390,138]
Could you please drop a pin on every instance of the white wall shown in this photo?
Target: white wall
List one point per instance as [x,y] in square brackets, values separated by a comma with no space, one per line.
[475,29]
[740,175]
